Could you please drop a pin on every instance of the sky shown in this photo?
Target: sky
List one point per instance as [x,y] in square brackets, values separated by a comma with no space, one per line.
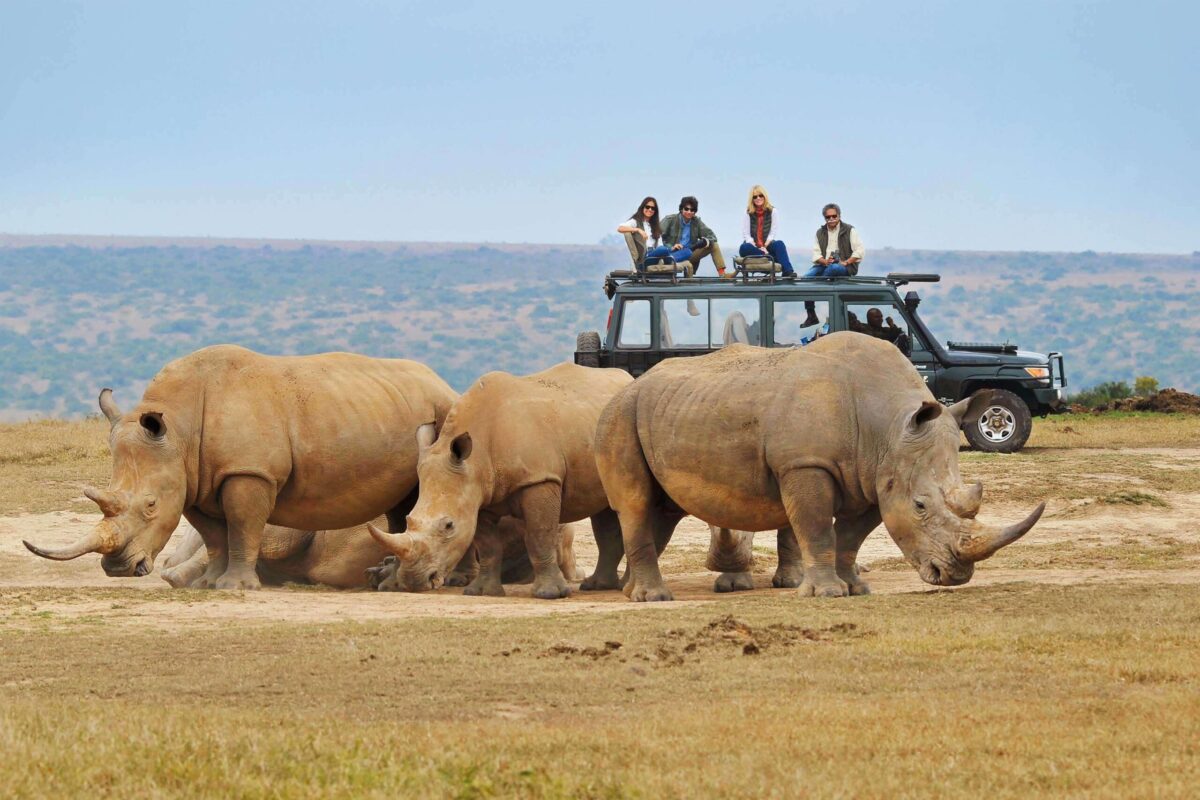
[1063,126]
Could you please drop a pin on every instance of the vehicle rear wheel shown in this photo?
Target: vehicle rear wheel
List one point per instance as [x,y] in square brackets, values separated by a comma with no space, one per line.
[1004,425]
[587,344]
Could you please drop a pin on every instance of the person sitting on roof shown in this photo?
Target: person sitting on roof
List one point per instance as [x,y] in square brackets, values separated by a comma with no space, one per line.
[761,230]
[690,239]
[643,233]
[837,250]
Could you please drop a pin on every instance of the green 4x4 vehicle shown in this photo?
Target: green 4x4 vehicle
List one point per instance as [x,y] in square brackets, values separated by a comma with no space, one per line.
[656,316]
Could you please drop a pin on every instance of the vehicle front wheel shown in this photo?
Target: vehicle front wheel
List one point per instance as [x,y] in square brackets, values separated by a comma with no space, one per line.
[587,344]
[1004,425]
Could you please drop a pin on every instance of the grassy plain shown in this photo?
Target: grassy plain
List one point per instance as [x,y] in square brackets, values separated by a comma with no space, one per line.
[1043,684]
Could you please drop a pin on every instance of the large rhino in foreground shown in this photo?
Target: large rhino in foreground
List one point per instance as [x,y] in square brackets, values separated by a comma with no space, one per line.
[519,446]
[828,440]
[232,440]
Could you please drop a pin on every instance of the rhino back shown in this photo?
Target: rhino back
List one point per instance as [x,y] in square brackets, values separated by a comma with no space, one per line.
[539,428]
[335,432]
[733,421]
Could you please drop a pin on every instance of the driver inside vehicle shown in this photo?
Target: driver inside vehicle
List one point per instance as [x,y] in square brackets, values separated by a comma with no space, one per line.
[874,326]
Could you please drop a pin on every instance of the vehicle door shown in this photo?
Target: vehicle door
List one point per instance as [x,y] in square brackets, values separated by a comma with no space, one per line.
[884,318]
[797,319]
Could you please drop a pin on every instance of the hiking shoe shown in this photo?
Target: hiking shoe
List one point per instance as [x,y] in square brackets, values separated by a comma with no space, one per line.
[809,321]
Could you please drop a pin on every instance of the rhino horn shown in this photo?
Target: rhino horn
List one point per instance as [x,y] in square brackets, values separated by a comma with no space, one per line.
[109,502]
[965,502]
[94,542]
[398,543]
[981,544]
[111,412]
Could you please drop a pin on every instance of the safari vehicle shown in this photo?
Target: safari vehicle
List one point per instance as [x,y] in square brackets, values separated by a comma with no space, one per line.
[664,314]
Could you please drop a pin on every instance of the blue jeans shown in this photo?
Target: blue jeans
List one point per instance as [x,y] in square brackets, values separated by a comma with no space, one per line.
[834,270]
[653,256]
[777,250]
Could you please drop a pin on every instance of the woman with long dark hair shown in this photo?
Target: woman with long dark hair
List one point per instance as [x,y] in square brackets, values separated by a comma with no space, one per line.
[643,231]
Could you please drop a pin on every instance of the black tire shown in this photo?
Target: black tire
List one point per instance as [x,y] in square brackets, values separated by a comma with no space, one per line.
[587,347]
[1004,425]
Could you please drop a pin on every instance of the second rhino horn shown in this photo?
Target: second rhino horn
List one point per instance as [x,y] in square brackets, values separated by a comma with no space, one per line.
[109,502]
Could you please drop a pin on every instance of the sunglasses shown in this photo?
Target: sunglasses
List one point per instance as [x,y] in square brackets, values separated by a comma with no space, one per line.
[650,208]
[759,197]
[689,208]
[831,216]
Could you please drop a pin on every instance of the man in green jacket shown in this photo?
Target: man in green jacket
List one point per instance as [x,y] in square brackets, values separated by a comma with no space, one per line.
[690,239]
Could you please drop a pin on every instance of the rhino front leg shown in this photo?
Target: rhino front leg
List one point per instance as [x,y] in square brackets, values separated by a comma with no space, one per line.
[490,547]
[186,572]
[607,531]
[790,572]
[467,569]
[216,547]
[809,495]
[731,553]
[851,532]
[540,508]
[247,503]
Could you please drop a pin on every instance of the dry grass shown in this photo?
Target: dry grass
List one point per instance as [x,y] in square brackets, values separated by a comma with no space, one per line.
[43,464]
[1003,692]
[1116,430]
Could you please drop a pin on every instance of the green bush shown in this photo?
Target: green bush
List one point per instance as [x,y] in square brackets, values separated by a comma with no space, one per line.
[1145,385]
[1102,393]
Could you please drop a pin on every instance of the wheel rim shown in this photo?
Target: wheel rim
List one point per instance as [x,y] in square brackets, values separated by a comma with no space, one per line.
[997,424]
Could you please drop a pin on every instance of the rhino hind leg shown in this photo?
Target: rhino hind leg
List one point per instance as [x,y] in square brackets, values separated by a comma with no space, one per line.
[607,531]
[488,580]
[790,572]
[851,532]
[731,553]
[809,495]
[466,570]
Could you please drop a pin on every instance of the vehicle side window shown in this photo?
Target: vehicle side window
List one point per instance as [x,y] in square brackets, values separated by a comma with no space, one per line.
[797,324]
[683,322]
[635,324]
[882,320]
[735,320]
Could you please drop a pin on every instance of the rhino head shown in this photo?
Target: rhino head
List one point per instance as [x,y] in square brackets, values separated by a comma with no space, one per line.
[925,505]
[145,500]
[441,527]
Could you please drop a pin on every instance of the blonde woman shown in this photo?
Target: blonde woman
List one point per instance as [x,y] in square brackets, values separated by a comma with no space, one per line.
[761,229]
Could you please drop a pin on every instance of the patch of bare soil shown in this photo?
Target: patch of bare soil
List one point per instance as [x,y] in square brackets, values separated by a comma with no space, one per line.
[35,587]
[1167,401]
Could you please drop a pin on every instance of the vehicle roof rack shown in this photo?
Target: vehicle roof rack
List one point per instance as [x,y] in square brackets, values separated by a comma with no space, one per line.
[894,278]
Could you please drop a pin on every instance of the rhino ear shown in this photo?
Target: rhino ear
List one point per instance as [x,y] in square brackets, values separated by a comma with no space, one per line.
[425,435]
[152,423]
[971,407]
[927,413]
[460,448]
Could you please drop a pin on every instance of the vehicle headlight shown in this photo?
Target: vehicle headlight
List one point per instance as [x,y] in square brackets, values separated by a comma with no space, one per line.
[1041,373]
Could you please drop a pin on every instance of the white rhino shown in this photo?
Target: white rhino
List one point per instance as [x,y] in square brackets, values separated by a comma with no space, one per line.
[234,440]
[349,559]
[519,446]
[827,441]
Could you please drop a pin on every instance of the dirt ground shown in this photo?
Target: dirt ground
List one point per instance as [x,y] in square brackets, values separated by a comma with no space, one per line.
[1080,523]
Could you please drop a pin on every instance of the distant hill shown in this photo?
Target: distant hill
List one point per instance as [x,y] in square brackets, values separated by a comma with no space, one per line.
[80,313]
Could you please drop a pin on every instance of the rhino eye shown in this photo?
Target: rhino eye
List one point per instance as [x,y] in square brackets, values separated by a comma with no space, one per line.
[920,506]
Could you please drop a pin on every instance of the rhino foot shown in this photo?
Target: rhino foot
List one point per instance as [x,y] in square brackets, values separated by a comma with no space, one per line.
[242,581]
[484,589]
[733,582]
[597,582]
[827,587]
[552,590]
[859,588]
[457,578]
[640,593]
[788,577]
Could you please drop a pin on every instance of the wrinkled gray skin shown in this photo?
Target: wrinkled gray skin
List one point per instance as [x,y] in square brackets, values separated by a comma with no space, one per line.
[234,440]
[828,440]
[497,556]
[520,447]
